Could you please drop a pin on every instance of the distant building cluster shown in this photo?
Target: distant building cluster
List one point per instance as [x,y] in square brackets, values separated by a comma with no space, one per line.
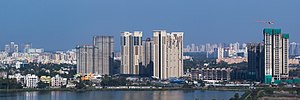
[12,55]
[31,80]
[221,50]
[294,49]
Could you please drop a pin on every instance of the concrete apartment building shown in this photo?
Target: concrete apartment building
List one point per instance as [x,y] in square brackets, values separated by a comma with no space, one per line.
[97,58]
[131,52]
[85,59]
[167,54]
[276,55]
[103,54]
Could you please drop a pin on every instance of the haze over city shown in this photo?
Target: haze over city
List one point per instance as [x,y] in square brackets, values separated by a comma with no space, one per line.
[61,25]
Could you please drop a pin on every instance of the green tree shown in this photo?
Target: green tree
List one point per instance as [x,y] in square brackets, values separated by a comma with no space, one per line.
[10,84]
[109,81]
[43,85]
[235,97]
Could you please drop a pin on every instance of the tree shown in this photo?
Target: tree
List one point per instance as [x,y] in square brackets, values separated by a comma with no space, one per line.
[42,85]
[109,81]
[10,84]
[235,97]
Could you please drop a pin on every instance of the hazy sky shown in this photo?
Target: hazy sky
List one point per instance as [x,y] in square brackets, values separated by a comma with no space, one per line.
[63,24]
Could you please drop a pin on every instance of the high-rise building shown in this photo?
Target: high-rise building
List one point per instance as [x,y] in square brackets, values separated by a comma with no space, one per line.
[97,58]
[255,61]
[220,53]
[147,60]
[297,50]
[293,48]
[103,54]
[26,48]
[11,48]
[131,52]
[167,54]
[276,55]
[85,61]
[7,48]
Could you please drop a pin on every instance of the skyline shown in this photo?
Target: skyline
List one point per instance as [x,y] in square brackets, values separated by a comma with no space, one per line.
[61,25]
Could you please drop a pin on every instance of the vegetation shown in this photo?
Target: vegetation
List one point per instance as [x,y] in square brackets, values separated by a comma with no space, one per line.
[47,69]
[43,85]
[83,84]
[10,84]
[110,81]
[235,97]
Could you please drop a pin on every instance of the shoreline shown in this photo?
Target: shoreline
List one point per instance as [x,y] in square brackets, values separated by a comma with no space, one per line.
[123,89]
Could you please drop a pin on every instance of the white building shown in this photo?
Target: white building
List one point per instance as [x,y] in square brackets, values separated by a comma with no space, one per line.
[276,55]
[58,81]
[34,50]
[31,81]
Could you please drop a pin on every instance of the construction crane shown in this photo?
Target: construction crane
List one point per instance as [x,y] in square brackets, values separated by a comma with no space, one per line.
[267,22]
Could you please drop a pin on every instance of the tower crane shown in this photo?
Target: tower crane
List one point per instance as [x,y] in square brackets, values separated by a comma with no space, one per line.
[267,22]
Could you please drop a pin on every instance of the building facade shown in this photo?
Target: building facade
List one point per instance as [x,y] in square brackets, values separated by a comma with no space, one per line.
[85,61]
[255,61]
[131,52]
[97,58]
[58,81]
[31,81]
[147,59]
[276,47]
[103,54]
[211,74]
[167,54]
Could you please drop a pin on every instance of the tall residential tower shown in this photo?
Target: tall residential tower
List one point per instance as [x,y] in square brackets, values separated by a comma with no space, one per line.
[103,54]
[276,55]
[255,61]
[147,59]
[85,61]
[97,58]
[167,54]
[131,51]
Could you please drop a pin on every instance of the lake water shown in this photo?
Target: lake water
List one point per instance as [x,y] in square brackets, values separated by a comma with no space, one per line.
[120,95]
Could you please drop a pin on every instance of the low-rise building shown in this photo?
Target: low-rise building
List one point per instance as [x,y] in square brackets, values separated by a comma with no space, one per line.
[31,81]
[58,81]
[211,74]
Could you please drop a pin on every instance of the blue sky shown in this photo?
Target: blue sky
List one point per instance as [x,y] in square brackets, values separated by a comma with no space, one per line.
[63,24]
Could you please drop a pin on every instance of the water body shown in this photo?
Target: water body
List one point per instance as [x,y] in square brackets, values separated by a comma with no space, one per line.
[121,95]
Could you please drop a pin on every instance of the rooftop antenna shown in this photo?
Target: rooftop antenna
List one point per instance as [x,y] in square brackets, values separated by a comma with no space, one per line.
[267,22]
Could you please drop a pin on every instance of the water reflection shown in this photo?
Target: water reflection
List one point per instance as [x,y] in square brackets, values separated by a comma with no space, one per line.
[119,95]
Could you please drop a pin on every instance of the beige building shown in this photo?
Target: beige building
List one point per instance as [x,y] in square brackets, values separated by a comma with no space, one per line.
[147,59]
[131,52]
[167,54]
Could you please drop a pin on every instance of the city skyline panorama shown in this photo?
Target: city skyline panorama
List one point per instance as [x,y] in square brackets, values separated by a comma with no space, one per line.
[61,25]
